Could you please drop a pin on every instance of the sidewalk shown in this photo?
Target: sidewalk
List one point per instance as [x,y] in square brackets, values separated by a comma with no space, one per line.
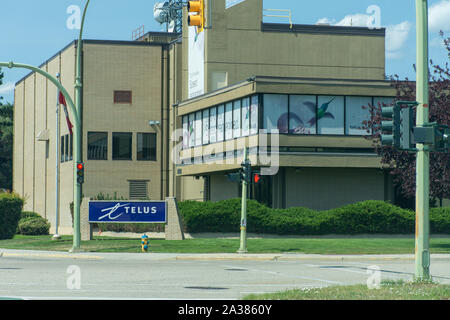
[5,253]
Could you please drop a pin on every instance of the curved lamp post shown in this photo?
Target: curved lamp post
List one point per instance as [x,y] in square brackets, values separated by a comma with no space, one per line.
[76,142]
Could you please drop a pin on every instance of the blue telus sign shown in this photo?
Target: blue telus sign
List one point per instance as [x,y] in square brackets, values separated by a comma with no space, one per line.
[127,211]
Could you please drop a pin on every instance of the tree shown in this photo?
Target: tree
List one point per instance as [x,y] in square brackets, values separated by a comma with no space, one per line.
[402,164]
[6,142]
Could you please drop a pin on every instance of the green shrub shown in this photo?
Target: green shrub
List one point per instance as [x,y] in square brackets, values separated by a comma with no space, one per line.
[34,226]
[440,220]
[10,208]
[366,217]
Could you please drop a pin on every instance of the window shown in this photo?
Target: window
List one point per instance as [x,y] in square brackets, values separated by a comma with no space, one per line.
[356,111]
[71,147]
[330,115]
[302,114]
[198,128]
[97,146]
[138,189]
[146,146]
[66,147]
[185,132]
[245,117]
[229,121]
[122,143]
[205,131]
[254,115]
[237,119]
[61,148]
[122,96]
[276,112]
[220,123]
[212,125]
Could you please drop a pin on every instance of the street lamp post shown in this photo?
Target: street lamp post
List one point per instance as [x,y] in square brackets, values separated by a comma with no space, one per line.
[76,140]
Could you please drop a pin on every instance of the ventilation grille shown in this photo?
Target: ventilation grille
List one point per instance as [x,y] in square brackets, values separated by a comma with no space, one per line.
[138,189]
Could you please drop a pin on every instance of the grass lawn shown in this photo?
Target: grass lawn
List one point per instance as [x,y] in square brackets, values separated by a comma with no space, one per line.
[389,290]
[303,245]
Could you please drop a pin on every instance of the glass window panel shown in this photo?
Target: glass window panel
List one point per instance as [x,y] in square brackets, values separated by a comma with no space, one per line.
[206,126]
[61,148]
[355,114]
[185,132]
[276,112]
[245,118]
[97,146]
[302,114]
[237,119]
[122,143]
[229,121]
[213,125]
[146,146]
[191,130]
[220,123]
[254,116]
[330,114]
[198,128]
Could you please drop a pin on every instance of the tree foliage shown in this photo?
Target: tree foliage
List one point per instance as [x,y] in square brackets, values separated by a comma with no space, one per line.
[6,143]
[402,164]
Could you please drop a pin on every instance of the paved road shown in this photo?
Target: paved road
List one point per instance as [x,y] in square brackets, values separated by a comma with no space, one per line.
[58,275]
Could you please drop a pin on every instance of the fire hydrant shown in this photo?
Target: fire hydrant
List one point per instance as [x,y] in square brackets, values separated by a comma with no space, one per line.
[144,243]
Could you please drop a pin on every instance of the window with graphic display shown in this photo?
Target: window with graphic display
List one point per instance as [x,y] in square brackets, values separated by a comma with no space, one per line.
[213,125]
[302,114]
[254,115]
[330,115]
[205,123]
[356,112]
[198,128]
[245,117]
[220,123]
[237,119]
[229,121]
[275,112]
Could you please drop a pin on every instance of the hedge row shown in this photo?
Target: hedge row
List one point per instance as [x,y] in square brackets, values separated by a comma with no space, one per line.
[32,224]
[368,217]
[10,208]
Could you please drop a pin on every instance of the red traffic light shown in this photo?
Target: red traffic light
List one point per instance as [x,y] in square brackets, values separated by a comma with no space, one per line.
[80,166]
[256,178]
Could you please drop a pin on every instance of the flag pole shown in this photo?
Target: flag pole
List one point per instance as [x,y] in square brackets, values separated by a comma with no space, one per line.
[56,236]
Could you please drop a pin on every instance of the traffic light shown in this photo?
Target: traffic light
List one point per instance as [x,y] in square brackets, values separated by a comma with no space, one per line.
[196,16]
[80,172]
[246,171]
[257,178]
[391,126]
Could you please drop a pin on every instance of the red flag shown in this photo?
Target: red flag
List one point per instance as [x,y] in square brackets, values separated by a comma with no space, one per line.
[62,100]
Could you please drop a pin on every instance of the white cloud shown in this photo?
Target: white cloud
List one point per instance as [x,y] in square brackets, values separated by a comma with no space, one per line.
[439,16]
[396,36]
[7,88]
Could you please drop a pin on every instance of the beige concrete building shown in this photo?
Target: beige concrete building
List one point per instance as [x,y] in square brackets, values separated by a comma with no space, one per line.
[170,115]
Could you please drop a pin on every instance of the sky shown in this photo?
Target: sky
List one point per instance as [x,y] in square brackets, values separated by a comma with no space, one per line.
[33,31]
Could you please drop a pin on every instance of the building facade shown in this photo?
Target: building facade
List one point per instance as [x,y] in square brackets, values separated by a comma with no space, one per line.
[170,115]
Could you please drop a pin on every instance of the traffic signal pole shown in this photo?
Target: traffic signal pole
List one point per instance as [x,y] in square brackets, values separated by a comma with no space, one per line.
[243,241]
[422,248]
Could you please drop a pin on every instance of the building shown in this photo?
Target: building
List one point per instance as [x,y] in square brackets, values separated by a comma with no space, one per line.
[170,115]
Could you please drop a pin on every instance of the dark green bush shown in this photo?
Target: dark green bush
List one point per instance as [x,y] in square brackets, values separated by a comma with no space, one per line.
[367,217]
[34,226]
[10,208]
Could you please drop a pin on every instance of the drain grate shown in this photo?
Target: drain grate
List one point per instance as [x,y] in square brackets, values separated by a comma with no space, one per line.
[205,288]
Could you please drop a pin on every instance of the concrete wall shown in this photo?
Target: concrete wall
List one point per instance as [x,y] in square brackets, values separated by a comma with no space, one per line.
[221,188]
[326,188]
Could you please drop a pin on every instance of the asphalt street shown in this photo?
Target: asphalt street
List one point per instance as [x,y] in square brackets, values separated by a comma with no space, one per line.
[60,275]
